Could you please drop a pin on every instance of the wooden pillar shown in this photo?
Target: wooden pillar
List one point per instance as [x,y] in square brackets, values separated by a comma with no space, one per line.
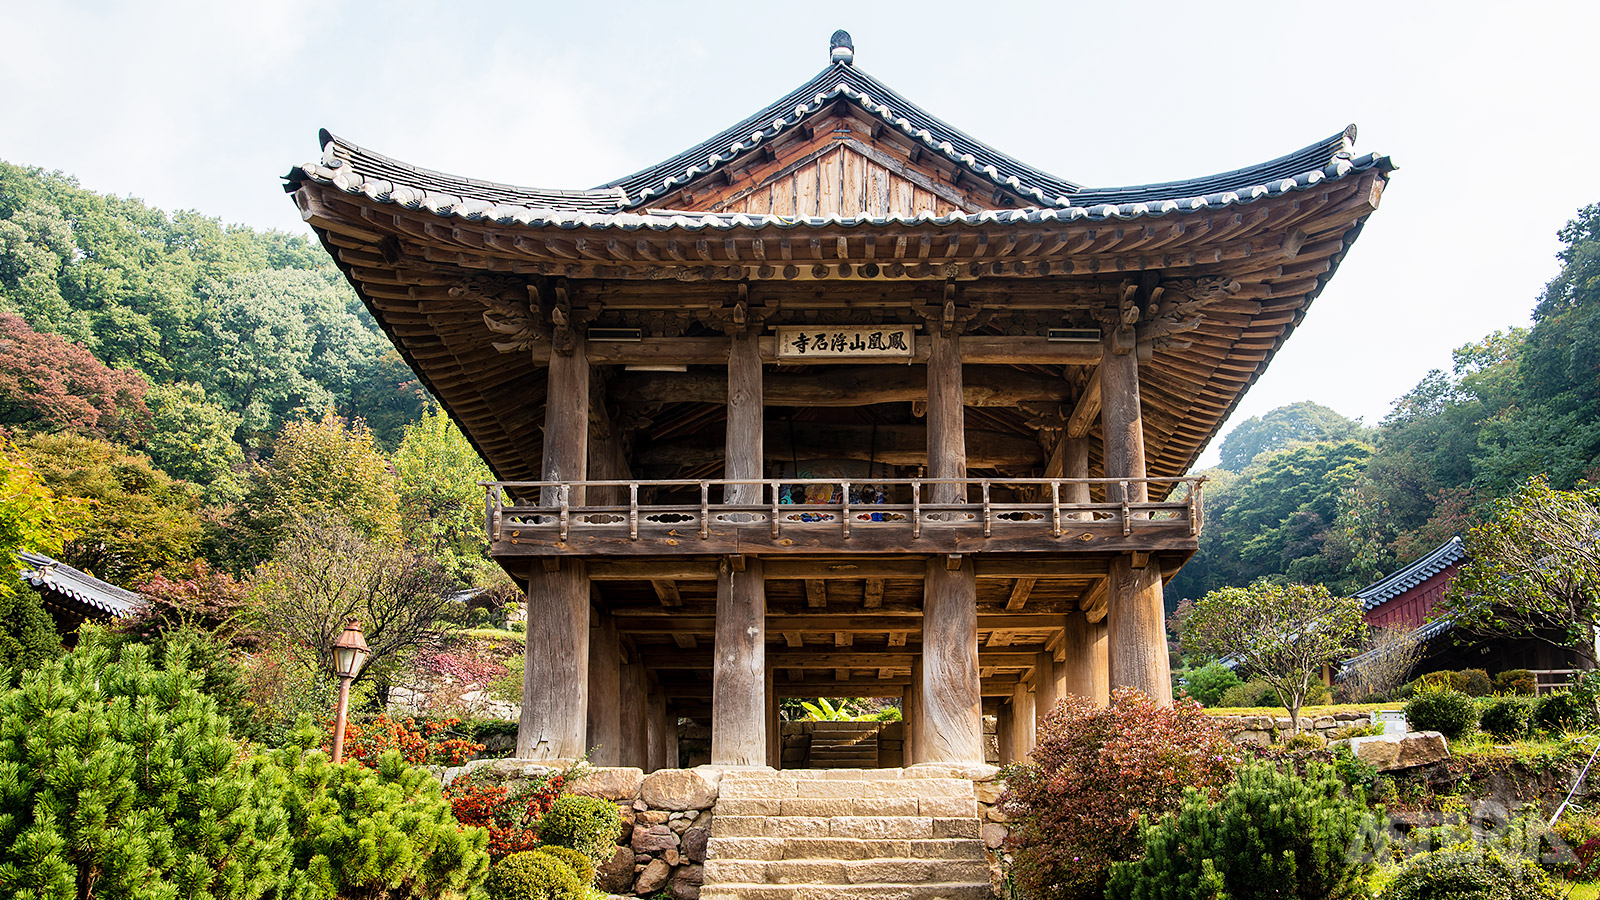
[947,437]
[911,714]
[1023,728]
[951,710]
[1137,619]
[1076,458]
[1045,693]
[635,745]
[605,694]
[1079,664]
[739,676]
[1099,665]
[774,725]
[674,757]
[555,683]
[1005,733]
[657,724]
[746,418]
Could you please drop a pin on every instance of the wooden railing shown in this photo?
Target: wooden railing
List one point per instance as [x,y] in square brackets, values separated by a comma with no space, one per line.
[545,510]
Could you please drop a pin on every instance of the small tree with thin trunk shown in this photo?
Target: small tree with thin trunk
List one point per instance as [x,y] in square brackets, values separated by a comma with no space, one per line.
[1535,570]
[1282,634]
[1391,653]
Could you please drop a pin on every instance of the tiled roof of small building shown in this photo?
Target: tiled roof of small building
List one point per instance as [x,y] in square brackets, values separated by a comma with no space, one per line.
[1391,586]
[47,574]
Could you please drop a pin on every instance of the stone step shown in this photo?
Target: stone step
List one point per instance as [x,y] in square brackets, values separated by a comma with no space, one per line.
[887,870]
[782,785]
[748,891]
[750,849]
[867,828]
[813,807]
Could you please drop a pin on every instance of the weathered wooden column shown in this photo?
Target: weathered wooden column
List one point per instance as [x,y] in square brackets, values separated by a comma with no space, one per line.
[952,702]
[1075,645]
[1099,666]
[911,714]
[1045,687]
[1023,726]
[1006,733]
[555,684]
[1076,457]
[774,725]
[739,679]
[605,693]
[1137,620]
[657,724]
[635,714]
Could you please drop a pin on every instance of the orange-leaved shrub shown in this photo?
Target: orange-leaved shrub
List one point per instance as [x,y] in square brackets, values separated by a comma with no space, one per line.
[1074,810]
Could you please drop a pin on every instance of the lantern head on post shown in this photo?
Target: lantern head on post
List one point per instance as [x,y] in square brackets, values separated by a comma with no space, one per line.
[350,651]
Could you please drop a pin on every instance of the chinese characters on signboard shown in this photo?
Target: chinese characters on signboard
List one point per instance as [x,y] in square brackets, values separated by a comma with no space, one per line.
[821,342]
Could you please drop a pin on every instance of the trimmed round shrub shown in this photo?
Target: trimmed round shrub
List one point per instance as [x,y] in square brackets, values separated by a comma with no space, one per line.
[1473,683]
[1451,713]
[1516,681]
[1559,712]
[579,863]
[531,875]
[1506,718]
[1208,683]
[1305,740]
[588,825]
[1272,835]
[1470,873]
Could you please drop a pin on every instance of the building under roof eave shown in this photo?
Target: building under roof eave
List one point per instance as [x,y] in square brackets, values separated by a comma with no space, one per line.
[72,596]
[1241,254]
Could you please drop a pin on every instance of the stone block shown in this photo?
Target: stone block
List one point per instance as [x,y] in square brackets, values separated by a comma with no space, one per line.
[686,883]
[693,843]
[993,814]
[616,874]
[741,826]
[994,835]
[731,871]
[816,806]
[795,826]
[846,848]
[886,806]
[652,878]
[653,839]
[679,826]
[806,871]
[948,807]
[744,848]
[882,827]
[651,817]
[1324,723]
[681,789]
[610,783]
[947,848]
[1392,752]
[762,806]
[767,787]
[955,828]
[988,791]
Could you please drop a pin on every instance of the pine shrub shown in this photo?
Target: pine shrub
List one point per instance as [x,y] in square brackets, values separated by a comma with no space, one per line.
[380,832]
[1075,809]
[118,779]
[1449,712]
[577,861]
[28,637]
[588,825]
[531,875]
[1506,718]
[1470,873]
[1273,835]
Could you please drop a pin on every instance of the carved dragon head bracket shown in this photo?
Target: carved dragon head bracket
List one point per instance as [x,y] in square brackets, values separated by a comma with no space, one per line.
[739,317]
[1152,311]
[951,315]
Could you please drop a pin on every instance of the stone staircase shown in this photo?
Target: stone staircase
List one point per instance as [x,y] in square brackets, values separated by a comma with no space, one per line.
[845,834]
[844,745]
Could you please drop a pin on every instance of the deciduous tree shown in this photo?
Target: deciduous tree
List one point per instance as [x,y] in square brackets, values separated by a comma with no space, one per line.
[50,384]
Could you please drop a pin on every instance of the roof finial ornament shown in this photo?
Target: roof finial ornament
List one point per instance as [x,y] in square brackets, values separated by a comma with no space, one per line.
[841,49]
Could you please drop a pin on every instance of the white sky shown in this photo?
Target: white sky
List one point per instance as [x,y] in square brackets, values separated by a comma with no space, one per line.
[1489,112]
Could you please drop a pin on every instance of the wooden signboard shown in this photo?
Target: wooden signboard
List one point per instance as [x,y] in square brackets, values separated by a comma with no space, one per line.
[824,343]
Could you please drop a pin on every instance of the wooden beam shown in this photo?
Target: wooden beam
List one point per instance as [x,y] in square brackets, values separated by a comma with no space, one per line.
[843,386]
[1071,567]
[822,623]
[1087,409]
[1019,594]
[900,445]
[667,592]
[816,594]
[872,597]
[653,570]
[791,569]
[988,349]
[686,641]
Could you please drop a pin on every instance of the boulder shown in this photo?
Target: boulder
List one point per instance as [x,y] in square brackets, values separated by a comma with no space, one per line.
[610,783]
[652,878]
[686,882]
[681,789]
[653,839]
[616,874]
[1389,752]
[694,843]
[994,835]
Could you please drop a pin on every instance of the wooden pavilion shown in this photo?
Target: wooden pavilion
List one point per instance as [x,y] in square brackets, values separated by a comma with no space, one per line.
[840,402]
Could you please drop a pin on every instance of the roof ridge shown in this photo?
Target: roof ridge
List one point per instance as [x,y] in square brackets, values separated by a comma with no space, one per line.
[1413,573]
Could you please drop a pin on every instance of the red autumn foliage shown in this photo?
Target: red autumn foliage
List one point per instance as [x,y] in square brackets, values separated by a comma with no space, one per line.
[427,744]
[1075,809]
[48,383]
[465,669]
[512,819]
[201,598]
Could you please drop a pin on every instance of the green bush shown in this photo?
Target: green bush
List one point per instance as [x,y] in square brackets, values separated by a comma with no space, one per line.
[1305,740]
[588,825]
[1516,681]
[1506,718]
[1561,711]
[1208,683]
[532,875]
[1255,693]
[1473,683]
[118,778]
[1469,873]
[1451,713]
[1273,834]
[578,862]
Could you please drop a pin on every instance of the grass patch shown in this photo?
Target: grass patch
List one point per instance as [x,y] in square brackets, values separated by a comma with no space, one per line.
[1582,890]
[493,634]
[1305,712]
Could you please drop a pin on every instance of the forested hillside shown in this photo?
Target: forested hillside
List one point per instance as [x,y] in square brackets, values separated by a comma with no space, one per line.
[1304,494]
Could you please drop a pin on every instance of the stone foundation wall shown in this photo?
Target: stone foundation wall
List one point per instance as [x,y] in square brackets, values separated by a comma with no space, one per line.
[1268,730]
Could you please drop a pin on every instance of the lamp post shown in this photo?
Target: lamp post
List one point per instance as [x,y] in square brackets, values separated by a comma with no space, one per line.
[350,652]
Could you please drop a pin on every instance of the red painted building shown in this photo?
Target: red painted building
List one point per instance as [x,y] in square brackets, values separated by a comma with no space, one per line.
[1410,595]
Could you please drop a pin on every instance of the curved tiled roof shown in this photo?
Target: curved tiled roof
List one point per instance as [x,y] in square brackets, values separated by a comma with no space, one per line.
[47,574]
[1385,589]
